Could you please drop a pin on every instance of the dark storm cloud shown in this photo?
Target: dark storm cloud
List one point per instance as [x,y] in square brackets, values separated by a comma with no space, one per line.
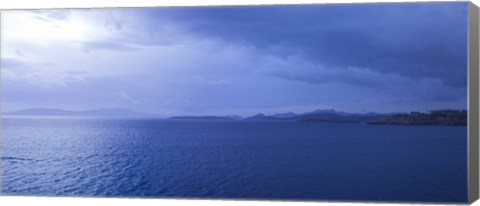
[416,40]
[240,60]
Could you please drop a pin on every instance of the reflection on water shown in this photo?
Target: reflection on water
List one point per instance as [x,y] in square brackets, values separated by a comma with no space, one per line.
[233,159]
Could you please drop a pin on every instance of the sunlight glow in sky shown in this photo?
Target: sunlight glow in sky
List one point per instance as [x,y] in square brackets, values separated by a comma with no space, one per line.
[237,60]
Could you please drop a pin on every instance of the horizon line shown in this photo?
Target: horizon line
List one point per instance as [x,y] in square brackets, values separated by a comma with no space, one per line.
[212,115]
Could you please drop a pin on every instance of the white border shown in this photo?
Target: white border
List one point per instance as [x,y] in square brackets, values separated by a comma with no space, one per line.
[70,201]
[38,4]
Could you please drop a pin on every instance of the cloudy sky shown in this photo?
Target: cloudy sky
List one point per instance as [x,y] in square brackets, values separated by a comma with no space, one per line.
[237,60]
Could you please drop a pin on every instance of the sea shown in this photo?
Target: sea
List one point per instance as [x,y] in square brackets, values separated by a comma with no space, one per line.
[203,159]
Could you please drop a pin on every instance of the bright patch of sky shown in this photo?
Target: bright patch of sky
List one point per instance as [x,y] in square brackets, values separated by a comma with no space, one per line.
[237,60]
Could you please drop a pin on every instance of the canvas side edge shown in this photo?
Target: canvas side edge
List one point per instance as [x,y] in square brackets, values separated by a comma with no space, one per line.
[473,103]
[1,103]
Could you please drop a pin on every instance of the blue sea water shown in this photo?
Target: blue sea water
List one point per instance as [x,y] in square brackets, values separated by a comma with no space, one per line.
[233,159]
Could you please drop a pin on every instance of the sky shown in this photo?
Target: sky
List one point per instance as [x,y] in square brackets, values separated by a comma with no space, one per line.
[242,60]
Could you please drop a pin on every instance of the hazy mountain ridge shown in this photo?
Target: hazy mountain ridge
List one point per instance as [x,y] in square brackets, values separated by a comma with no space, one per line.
[436,117]
[115,112]
[328,115]
[202,118]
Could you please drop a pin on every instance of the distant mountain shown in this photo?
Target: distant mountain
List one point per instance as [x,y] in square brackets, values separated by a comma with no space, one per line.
[202,118]
[116,113]
[41,112]
[285,115]
[234,117]
[328,111]
[328,115]
[334,117]
[437,117]
[261,116]
[332,111]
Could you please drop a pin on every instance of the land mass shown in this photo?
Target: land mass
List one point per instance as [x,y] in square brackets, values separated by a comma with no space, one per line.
[319,116]
[436,117]
[111,113]
[202,118]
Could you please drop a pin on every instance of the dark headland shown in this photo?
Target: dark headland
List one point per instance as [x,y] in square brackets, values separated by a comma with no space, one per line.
[436,117]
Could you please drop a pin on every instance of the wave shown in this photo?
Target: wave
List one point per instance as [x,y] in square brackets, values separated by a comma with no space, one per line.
[18,158]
